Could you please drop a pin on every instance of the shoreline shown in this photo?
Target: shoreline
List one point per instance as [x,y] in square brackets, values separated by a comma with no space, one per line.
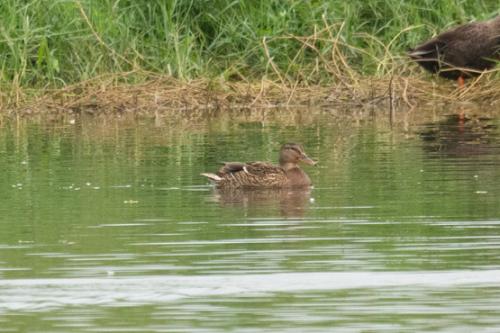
[160,94]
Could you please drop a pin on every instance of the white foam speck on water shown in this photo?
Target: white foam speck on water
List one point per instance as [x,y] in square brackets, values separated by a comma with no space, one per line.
[343,207]
[197,189]
[42,294]
[121,186]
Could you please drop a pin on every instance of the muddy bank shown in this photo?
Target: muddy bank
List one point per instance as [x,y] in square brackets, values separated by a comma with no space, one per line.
[108,95]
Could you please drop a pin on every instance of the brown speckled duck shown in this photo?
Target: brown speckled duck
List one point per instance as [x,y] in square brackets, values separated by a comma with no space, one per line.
[461,52]
[233,175]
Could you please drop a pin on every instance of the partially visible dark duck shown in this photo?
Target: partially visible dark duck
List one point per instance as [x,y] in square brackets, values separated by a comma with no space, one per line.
[235,175]
[461,52]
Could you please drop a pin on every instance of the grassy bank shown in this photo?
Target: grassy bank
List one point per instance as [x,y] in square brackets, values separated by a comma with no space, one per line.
[54,44]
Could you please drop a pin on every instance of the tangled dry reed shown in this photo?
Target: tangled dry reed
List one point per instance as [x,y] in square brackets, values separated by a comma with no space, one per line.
[159,94]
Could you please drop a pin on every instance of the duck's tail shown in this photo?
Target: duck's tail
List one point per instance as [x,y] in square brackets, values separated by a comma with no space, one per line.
[211,176]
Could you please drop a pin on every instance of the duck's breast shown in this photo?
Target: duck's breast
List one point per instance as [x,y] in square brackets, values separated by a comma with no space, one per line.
[297,177]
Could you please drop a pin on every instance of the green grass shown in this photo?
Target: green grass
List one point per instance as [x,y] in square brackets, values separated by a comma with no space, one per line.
[52,43]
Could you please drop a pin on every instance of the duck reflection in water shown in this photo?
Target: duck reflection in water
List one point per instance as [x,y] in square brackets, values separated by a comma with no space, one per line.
[262,183]
[456,136]
[288,202]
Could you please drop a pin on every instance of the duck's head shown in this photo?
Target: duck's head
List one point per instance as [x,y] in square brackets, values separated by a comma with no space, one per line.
[291,154]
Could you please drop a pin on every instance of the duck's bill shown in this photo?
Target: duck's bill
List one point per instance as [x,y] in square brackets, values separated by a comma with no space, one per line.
[309,161]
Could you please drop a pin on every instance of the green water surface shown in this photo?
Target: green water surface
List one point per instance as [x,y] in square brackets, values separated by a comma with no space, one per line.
[107,225]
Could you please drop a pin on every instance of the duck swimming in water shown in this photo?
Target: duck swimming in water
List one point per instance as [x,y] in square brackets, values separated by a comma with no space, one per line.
[234,175]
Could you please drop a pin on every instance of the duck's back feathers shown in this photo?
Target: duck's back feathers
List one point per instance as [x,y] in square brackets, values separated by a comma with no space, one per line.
[463,51]
[253,174]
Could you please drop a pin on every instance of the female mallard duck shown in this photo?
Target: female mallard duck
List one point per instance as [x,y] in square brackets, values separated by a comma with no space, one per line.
[461,52]
[261,174]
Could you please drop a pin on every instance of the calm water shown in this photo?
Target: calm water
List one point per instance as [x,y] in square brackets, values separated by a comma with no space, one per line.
[106,225]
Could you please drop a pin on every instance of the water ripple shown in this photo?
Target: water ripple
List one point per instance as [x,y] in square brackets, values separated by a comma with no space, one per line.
[42,294]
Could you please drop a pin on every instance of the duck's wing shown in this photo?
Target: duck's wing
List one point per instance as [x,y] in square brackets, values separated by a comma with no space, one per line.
[469,45]
[255,168]
[458,47]
[252,174]
[230,167]
[263,169]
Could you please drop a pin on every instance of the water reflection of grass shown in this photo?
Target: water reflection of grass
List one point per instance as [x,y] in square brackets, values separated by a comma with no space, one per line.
[119,56]
[137,181]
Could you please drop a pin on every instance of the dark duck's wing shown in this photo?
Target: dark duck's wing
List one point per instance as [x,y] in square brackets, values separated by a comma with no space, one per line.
[227,168]
[230,167]
[471,46]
